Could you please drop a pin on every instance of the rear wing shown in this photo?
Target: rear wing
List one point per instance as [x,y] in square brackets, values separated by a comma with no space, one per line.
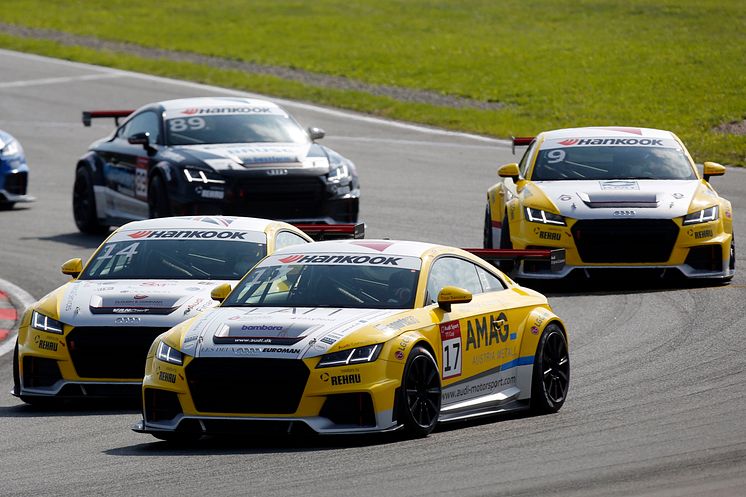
[556,257]
[522,141]
[88,115]
[321,232]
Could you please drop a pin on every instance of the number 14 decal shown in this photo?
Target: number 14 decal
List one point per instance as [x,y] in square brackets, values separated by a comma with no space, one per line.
[450,336]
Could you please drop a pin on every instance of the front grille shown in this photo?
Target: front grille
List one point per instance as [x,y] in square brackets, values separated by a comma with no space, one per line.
[277,197]
[15,183]
[109,352]
[245,385]
[625,240]
[39,372]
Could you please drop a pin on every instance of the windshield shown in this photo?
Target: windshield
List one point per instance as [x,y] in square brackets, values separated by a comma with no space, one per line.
[175,259]
[612,162]
[234,128]
[327,285]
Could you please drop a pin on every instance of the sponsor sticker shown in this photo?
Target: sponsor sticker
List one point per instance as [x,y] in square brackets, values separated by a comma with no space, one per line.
[450,336]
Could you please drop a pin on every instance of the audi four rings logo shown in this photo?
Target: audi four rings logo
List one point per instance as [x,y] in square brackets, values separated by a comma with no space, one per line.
[127,320]
[624,213]
[277,172]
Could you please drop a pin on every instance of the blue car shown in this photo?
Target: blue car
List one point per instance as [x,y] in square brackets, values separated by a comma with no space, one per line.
[13,172]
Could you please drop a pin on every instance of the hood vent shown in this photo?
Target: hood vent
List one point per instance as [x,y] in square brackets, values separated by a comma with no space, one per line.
[609,199]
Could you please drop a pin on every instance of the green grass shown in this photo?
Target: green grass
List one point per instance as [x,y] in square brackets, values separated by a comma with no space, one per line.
[672,64]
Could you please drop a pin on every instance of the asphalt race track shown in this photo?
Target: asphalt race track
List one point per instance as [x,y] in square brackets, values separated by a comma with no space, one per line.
[658,384]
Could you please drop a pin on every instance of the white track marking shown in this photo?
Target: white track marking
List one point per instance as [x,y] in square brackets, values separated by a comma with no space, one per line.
[56,81]
[21,300]
[287,103]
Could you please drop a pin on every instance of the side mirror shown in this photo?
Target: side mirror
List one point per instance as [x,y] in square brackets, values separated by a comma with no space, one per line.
[316,133]
[73,267]
[220,292]
[449,295]
[142,138]
[509,171]
[712,169]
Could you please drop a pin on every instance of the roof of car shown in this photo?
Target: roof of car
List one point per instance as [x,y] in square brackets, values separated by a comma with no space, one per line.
[201,222]
[606,131]
[366,246]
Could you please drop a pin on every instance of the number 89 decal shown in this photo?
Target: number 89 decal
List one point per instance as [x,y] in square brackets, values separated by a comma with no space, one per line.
[450,336]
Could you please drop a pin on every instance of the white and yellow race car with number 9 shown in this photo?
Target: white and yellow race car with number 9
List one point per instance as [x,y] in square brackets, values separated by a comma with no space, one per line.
[612,198]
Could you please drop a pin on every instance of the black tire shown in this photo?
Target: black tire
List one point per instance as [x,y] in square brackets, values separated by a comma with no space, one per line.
[488,228]
[177,438]
[6,206]
[732,262]
[158,201]
[16,372]
[84,204]
[551,373]
[419,404]
[506,243]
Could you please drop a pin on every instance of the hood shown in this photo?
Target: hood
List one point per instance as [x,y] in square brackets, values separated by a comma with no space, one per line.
[653,199]
[156,303]
[283,332]
[232,156]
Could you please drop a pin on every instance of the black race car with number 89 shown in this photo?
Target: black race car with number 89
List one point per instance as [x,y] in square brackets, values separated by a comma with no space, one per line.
[216,155]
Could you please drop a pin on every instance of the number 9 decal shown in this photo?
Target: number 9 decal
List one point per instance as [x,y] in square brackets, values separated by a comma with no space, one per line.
[555,156]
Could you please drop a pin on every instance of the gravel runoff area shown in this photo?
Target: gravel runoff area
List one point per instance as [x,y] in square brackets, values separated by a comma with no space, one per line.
[309,78]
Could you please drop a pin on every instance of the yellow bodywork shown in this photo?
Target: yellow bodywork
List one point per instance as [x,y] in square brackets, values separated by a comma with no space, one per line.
[496,329]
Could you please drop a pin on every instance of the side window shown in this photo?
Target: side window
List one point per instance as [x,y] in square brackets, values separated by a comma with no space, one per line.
[147,122]
[490,282]
[287,238]
[523,165]
[451,271]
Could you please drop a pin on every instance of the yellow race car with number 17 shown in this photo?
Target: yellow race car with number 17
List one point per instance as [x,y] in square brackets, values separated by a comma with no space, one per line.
[355,337]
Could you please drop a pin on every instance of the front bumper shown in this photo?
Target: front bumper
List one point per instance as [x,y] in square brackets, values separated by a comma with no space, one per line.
[658,245]
[105,362]
[298,197]
[311,402]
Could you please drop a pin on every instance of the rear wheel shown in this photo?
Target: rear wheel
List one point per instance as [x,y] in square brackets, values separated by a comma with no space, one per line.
[84,204]
[551,374]
[419,406]
[158,201]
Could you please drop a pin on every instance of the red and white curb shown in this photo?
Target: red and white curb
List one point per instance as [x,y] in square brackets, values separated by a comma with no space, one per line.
[13,302]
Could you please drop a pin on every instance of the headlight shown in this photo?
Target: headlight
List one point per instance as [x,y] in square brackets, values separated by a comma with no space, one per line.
[544,217]
[11,148]
[200,176]
[169,354]
[354,356]
[339,172]
[44,323]
[703,216]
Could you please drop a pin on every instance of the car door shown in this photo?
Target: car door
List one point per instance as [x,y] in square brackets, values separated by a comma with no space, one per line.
[127,167]
[480,340]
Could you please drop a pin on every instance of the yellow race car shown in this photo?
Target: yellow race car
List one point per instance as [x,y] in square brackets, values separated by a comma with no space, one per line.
[357,336]
[89,337]
[613,198]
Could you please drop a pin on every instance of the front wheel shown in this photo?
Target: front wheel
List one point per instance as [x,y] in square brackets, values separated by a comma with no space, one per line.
[16,372]
[551,373]
[158,201]
[488,243]
[419,406]
[84,204]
